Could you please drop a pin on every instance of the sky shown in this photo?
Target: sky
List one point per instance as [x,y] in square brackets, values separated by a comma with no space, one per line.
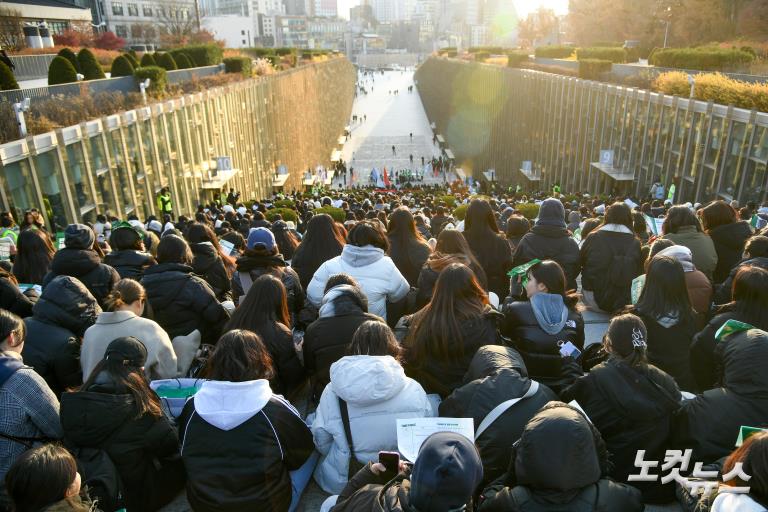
[524,7]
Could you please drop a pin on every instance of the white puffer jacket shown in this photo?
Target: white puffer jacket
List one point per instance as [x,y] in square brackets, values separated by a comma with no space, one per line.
[377,393]
[376,273]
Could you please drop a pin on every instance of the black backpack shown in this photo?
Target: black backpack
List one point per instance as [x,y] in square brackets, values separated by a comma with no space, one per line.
[100,477]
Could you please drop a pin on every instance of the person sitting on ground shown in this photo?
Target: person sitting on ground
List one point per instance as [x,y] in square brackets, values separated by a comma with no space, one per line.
[128,257]
[749,305]
[444,335]
[631,403]
[682,227]
[80,260]
[549,239]
[322,241]
[34,254]
[264,311]
[708,423]
[517,227]
[729,234]
[11,297]
[122,317]
[610,260]
[577,481]
[451,248]
[489,246]
[46,478]
[408,250]
[244,448]
[495,375]
[209,262]
[343,310]
[445,475]
[367,393]
[260,258]
[182,302]
[665,309]
[539,326]
[755,255]
[116,411]
[28,408]
[364,258]
[59,320]
[698,286]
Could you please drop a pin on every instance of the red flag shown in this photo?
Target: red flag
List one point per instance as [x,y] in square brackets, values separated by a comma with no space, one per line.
[386,178]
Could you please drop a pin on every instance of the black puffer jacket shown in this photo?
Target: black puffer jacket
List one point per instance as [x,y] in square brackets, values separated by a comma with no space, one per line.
[495,375]
[85,265]
[709,423]
[183,302]
[723,291]
[669,348]
[209,265]
[706,352]
[539,349]
[145,450]
[495,256]
[632,407]
[444,376]
[60,317]
[558,466]
[130,264]
[276,266]
[11,298]
[550,243]
[410,259]
[729,242]
[610,260]
[289,371]
[327,338]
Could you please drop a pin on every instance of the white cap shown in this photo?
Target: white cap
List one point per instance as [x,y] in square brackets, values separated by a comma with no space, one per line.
[217,224]
[228,208]
[155,226]
[242,210]
[600,210]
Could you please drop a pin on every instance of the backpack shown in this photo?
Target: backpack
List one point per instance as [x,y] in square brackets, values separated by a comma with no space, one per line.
[615,291]
[99,474]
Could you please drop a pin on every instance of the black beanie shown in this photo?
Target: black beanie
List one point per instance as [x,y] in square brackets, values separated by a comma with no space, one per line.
[551,213]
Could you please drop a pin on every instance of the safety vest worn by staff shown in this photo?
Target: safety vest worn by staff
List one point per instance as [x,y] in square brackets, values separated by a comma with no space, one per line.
[164,203]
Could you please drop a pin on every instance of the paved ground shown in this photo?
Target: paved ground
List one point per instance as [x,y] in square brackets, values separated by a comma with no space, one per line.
[395,120]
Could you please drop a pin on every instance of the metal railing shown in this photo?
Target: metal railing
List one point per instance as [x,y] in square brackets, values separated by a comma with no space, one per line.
[30,67]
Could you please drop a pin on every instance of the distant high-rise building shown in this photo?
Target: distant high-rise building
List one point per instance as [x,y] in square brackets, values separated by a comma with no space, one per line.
[326,8]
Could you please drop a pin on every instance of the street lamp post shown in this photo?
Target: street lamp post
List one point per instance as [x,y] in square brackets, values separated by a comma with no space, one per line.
[19,109]
[668,22]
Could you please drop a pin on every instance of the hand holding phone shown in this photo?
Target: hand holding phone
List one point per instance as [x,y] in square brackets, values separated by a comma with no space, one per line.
[391,461]
[568,349]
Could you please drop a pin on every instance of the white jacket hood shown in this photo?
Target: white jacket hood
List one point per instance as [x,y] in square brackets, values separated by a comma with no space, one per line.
[227,405]
[364,380]
[730,502]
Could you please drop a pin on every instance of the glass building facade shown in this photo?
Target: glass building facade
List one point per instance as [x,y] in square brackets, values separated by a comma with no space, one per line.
[538,129]
[117,164]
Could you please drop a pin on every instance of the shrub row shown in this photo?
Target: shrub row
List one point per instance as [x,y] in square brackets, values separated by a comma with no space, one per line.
[481,56]
[554,52]
[7,80]
[494,50]
[705,58]
[515,59]
[238,65]
[158,78]
[200,54]
[592,69]
[715,87]
[617,55]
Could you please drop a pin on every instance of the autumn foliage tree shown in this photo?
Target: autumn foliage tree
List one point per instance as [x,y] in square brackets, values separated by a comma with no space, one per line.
[109,41]
[74,39]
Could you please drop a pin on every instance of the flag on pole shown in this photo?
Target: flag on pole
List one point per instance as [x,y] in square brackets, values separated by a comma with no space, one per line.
[386,178]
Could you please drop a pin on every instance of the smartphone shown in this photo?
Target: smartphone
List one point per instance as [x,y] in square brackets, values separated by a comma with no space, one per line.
[391,461]
[568,349]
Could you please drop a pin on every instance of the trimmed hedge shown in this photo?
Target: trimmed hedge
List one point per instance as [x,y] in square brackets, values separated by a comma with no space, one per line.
[284,51]
[238,65]
[122,66]
[157,75]
[337,213]
[617,55]
[71,57]
[489,49]
[147,60]
[183,62]
[451,53]
[89,66]
[287,213]
[591,69]
[61,71]
[554,52]
[201,54]
[481,56]
[515,59]
[132,59]
[7,80]
[450,201]
[704,58]
[284,203]
[167,62]
[715,87]
[460,213]
[261,52]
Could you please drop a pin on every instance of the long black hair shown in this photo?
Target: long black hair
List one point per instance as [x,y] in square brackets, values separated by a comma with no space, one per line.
[322,241]
[750,296]
[665,293]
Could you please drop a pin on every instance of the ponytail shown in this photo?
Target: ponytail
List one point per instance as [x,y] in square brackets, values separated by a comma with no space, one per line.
[125,292]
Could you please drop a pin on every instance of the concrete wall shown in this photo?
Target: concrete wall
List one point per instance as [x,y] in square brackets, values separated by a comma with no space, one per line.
[379,60]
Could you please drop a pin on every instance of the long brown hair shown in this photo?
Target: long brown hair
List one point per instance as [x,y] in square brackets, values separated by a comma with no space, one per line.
[265,304]
[452,247]
[34,253]
[199,233]
[128,380]
[753,455]
[436,329]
